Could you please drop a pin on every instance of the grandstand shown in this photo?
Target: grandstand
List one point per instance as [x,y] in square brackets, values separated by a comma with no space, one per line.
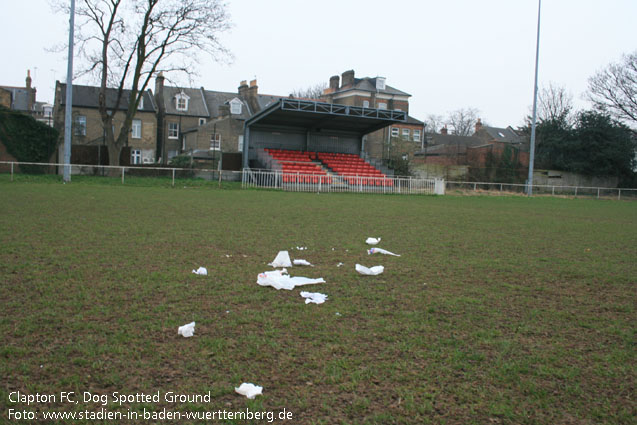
[315,142]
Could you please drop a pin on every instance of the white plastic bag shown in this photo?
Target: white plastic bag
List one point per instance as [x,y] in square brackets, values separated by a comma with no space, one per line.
[249,390]
[187,330]
[372,271]
[301,263]
[314,297]
[372,241]
[201,271]
[279,279]
[380,251]
[282,259]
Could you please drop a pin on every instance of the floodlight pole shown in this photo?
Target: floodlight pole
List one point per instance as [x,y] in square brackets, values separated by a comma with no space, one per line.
[534,119]
[69,99]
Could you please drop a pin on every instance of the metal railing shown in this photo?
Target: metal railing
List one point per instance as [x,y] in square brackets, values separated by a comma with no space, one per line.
[547,190]
[300,182]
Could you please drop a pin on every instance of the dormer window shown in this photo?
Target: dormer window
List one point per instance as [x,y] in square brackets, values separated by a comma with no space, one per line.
[380,83]
[235,106]
[181,101]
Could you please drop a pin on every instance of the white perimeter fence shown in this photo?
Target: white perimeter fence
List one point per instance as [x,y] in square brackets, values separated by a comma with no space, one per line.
[299,182]
[255,178]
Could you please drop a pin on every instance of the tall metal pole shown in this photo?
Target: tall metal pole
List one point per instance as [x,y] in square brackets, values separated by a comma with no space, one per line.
[534,119]
[69,99]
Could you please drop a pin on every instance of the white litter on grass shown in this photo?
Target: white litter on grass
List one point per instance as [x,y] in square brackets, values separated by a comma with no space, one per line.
[187,330]
[339,264]
[249,390]
[301,263]
[372,241]
[381,251]
[371,271]
[301,248]
[279,279]
[201,271]
[314,297]
[282,259]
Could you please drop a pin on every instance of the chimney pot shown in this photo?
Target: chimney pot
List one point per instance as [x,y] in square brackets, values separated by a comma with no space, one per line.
[347,78]
[334,82]
[443,130]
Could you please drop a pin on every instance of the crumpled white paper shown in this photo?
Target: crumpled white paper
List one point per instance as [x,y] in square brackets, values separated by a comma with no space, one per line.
[372,241]
[314,297]
[187,330]
[339,264]
[300,262]
[282,259]
[249,390]
[371,271]
[201,271]
[279,279]
[381,251]
[301,248]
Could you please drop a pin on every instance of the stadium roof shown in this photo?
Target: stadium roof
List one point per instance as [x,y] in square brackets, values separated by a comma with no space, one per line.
[313,115]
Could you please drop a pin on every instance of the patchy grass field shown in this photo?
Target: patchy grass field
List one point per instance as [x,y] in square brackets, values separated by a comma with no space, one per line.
[500,309]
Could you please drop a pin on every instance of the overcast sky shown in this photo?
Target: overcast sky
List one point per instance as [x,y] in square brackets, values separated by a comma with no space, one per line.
[447,54]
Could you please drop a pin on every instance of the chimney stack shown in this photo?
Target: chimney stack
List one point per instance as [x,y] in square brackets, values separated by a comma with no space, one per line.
[243,88]
[159,88]
[334,82]
[478,125]
[443,130]
[252,90]
[347,78]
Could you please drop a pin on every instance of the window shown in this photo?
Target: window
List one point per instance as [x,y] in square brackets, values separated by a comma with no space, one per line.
[382,105]
[380,83]
[406,133]
[215,142]
[140,105]
[394,132]
[240,147]
[79,126]
[416,135]
[235,106]
[365,103]
[202,121]
[135,156]
[181,101]
[137,129]
[173,130]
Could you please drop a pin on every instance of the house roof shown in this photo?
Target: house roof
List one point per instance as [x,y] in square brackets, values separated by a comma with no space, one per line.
[412,120]
[215,99]
[196,104]
[369,84]
[501,134]
[19,97]
[88,97]
[454,140]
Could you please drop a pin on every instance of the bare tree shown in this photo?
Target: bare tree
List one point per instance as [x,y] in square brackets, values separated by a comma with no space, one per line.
[463,121]
[614,89]
[311,92]
[124,43]
[434,123]
[554,104]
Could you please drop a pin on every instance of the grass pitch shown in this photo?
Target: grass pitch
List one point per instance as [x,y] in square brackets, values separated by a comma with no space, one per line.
[500,309]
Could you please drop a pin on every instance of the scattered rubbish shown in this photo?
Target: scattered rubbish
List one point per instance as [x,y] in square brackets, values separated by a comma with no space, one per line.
[339,264]
[332,249]
[187,330]
[301,248]
[282,259]
[279,279]
[314,297]
[201,271]
[301,263]
[227,311]
[372,241]
[249,390]
[338,314]
[371,271]
[228,256]
[381,251]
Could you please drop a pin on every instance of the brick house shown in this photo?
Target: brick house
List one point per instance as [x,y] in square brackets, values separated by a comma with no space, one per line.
[88,129]
[23,99]
[369,92]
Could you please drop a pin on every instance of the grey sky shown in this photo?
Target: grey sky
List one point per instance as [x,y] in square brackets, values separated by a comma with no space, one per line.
[447,54]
